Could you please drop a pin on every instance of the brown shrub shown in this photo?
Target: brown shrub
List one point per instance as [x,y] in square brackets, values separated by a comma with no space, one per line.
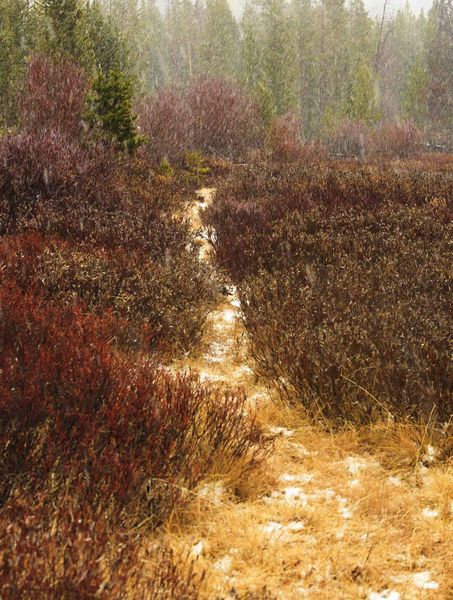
[213,116]
[253,200]
[72,552]
[286,138]
[167,121]
[352,138]
[159,305]
[345,286]
[397,140]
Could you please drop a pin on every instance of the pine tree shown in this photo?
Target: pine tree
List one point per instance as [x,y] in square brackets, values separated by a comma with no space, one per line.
[112,109]
[280,55]
[152,45]
[332,64]
[15,42]
[303,15]
[251,73]
[361,101]
[65,31]
[415,93]
[219,51]
[184,32]
[143,32]
[440,71]
[109,47]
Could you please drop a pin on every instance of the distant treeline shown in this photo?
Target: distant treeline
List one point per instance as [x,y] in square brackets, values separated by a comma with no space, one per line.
[324,61]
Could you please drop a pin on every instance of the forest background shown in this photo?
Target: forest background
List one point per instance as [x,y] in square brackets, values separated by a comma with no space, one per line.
[325,62]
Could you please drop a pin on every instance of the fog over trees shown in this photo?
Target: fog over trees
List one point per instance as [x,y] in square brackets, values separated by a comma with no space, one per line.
[324,61]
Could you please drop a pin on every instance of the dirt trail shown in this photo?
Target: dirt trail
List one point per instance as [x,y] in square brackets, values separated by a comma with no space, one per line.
[320,519]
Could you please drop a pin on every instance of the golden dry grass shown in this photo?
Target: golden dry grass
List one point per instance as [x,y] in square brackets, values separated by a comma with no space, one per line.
[348,514]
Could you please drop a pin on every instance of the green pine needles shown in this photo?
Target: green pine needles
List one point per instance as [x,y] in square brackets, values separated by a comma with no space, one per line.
[112,109]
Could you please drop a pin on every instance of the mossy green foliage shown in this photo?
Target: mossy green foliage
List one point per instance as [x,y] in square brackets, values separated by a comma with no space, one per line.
[195,167]
[165,168]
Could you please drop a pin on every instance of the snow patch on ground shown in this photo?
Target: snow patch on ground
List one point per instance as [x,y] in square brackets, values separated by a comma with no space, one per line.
[213,492]
[207,376]
[396,481]
[430,454]
[423,581]
[300,478]
[224,564]
[290,495]
[430,513]
[197,549]
[229,315]
[384,595]
[281,431]
[243,370]
[354,465]
[274,529]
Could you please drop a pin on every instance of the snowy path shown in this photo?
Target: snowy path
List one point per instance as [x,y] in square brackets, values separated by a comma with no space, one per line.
[320,520]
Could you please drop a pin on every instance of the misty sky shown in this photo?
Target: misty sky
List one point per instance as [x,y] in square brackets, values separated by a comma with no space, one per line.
[374,6]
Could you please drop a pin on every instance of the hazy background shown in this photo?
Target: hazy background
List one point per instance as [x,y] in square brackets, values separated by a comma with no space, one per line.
[374,6]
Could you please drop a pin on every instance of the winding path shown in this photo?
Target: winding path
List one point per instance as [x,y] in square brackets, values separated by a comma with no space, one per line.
[321,519]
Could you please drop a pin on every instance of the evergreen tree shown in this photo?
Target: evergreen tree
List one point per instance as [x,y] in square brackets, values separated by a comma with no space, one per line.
[251,73]
[280,55]
[112,109]
[303,15]
[15,41]
[415,92]
[184,32]
[332,64]
[219,52]
[361,102]
[109,47]
[402,44]
[142,28]
[65,31]
[152,43]
[440,61]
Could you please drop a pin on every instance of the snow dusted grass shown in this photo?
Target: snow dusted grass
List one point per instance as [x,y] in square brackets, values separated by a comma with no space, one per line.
[306,532]
[347,514]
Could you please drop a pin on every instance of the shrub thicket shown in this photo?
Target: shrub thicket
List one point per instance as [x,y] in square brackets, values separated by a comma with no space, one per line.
[54,97]
[251,202]
[73,552]
[212,115]
[398,140]
[77,417]
[95,436]
[345,284]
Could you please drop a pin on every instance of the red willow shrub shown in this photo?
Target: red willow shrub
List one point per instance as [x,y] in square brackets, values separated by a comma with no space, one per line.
[167,121]
[160,306]
[123,434]
[133,257]
[397,140]
[72,552]
[54,97]
[212,115]
[225,119]
[36,167]
[286,138]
